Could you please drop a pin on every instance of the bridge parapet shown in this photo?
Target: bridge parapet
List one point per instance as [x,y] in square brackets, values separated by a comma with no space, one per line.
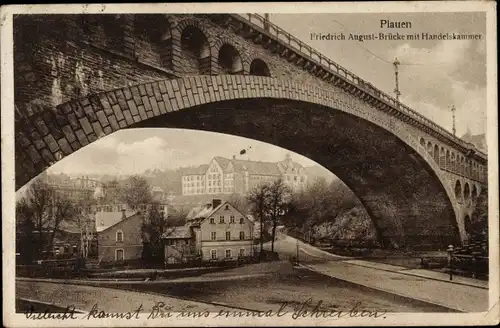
[333,72]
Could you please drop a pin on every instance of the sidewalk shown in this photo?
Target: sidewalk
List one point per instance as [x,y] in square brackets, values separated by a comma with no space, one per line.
[445,277]
[422,285]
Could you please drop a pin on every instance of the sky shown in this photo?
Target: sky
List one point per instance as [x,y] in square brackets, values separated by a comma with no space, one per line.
[433,76]
[137,150]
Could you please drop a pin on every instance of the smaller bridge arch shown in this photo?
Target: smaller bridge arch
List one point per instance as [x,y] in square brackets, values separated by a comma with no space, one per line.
[442,158]
[458,191]
[436,154]
[195,49]
[229,60]
[474,193]
[429,148]
[467,193]
[259,67]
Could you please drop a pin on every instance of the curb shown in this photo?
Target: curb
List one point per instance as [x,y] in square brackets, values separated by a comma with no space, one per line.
[386,291]
[421,276]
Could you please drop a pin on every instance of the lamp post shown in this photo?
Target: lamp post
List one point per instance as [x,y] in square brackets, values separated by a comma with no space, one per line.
[450,260]
[297,244]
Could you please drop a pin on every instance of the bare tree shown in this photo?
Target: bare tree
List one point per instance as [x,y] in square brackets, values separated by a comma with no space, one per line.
[62,209]
[47,210]
[84,217]
[258,200]
[278,198]
[40,198]
[25,243]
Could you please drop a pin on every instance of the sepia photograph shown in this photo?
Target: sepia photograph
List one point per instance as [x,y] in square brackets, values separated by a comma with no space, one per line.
[169,165]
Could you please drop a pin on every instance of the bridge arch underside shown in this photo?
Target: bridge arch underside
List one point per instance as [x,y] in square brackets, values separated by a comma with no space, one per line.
[402,194]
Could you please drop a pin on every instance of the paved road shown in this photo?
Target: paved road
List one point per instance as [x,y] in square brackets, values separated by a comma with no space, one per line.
[111,300]
[468,295]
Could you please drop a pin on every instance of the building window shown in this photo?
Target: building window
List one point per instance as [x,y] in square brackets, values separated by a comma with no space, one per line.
[213,235]
[119,236]
[119,255]
[242,235]
[213,254]
[242,252]
[221,219]
[212,221]
[242,220]
[228,235]
[228,253]
[232,218]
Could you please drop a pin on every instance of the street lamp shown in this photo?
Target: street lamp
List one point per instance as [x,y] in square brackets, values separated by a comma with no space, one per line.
[297,244]
[450,260]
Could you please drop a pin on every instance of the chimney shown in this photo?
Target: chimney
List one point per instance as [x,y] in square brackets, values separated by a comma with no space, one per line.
[124,216]
[216,202]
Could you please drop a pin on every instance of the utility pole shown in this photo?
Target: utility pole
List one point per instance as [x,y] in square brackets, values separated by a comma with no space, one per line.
[396,91]
[453,110]
[266,22]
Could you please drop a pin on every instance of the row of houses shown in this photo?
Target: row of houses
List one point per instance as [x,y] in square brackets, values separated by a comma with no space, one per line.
[213,232]
[216,231]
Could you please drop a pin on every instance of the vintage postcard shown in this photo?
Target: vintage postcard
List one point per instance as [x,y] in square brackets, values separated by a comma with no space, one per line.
[291,164]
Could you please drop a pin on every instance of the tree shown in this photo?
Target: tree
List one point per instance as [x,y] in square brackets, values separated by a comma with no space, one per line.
[153,227]
[47,210]
[39,198]
[479,224]
[25,242]
[278,198]
[258,198]
[62,209]
[239,201]
[85,220]
[136,191]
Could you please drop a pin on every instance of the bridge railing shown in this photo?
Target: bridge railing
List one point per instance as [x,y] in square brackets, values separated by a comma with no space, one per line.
[320,59]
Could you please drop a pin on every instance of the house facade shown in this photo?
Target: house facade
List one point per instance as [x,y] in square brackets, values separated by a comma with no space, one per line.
[118,230]
[122,240]
[227,176]
[213,232]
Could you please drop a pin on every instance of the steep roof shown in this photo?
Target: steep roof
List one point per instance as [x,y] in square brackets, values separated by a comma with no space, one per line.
[200,213]
[198,170]
[253,167]
[105,220]
[181,232]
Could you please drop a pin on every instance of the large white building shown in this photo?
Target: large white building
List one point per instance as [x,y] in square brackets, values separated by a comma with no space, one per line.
[227,176]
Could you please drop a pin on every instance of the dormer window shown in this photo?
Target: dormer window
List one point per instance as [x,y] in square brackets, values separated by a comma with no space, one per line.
[227,207]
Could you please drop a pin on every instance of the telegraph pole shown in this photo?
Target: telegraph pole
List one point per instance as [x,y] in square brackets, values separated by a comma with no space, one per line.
[453,110]
[266,22]
[396,91]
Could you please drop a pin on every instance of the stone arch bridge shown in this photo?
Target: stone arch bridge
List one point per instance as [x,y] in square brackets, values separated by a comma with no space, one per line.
[86,76]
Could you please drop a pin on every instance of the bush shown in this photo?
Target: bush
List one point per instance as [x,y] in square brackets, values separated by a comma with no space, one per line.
[268,256]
